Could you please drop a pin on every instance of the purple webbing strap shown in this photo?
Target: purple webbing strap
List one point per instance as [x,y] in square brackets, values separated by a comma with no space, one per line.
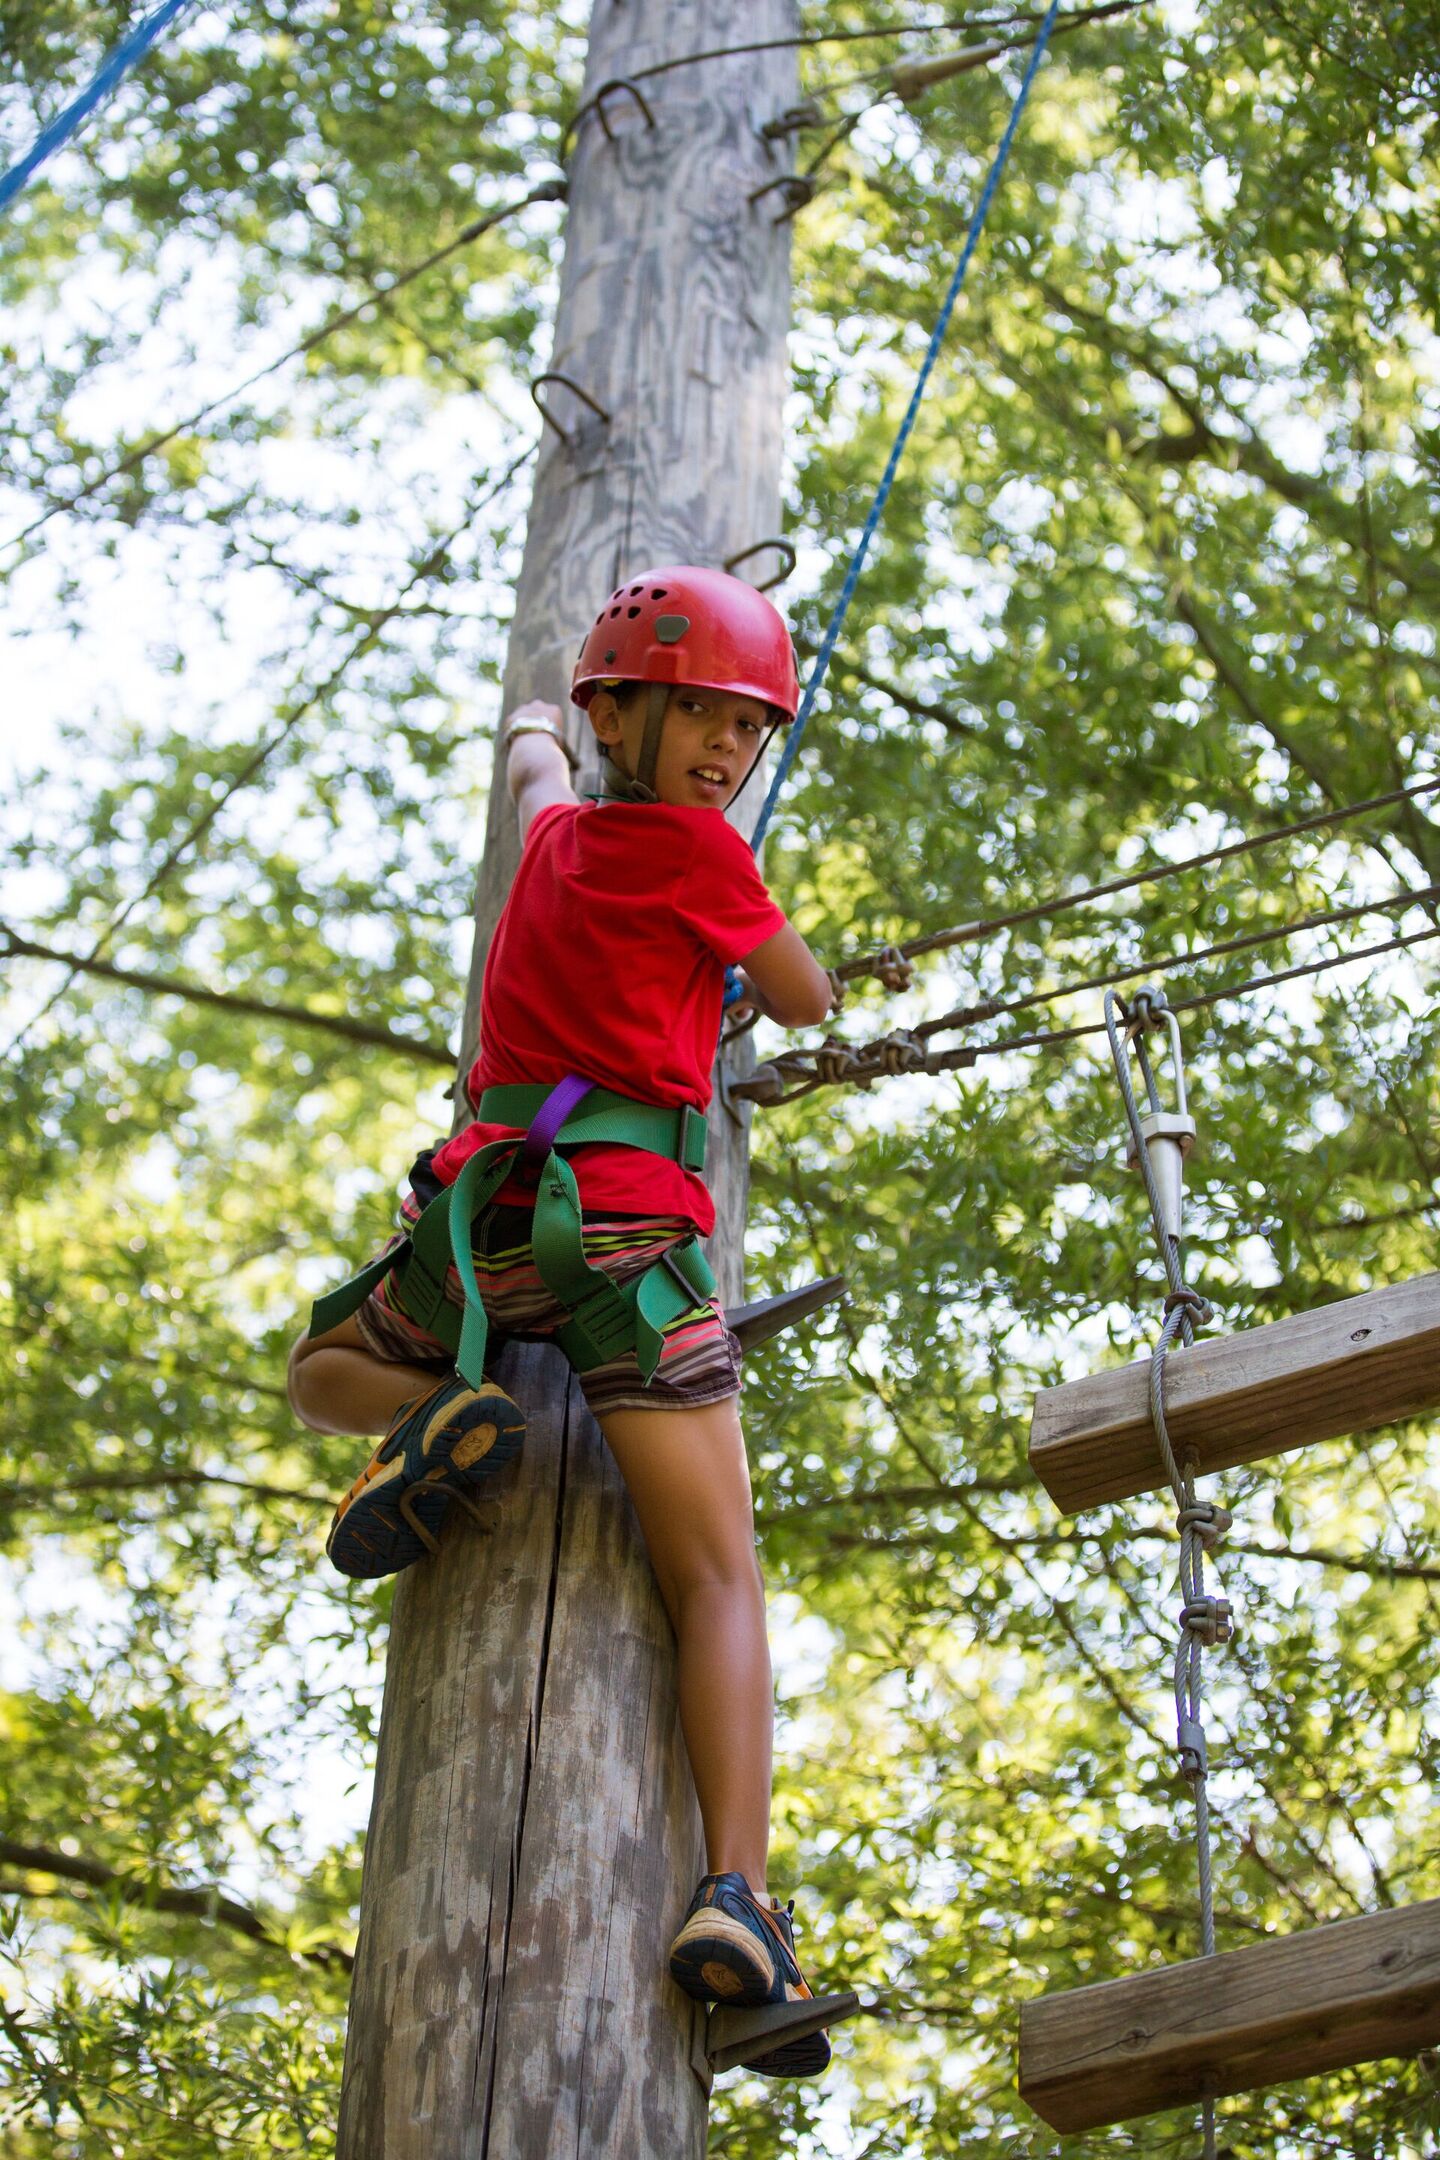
[549,1118]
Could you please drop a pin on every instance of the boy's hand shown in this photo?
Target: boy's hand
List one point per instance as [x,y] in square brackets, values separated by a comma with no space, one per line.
[539,760]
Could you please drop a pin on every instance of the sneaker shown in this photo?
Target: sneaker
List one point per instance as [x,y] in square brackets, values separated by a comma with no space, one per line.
[734,1950]
[442,1447]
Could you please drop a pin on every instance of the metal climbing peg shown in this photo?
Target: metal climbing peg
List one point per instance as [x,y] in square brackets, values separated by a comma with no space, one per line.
[1168,1135]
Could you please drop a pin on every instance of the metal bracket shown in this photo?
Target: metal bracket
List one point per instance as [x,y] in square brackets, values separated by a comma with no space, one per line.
[596,105]
[758,547]
[798,188]
[792,120]
[554,375]
[734,2038]
[755,1324]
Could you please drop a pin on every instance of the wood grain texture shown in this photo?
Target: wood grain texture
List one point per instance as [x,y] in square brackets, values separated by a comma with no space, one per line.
[534,1836]
[1355,1992]
[1343,1368]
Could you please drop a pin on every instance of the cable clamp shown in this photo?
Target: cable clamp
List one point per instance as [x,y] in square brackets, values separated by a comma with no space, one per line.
[1194,1755]
[892,969]
[1209,1620]
[1200,1307]
[1207,1519]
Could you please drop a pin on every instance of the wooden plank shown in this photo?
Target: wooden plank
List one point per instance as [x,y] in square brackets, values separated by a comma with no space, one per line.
[1343,1368]
[1322,2000]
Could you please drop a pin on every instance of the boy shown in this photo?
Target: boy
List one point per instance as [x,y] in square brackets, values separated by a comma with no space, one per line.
[600,1011]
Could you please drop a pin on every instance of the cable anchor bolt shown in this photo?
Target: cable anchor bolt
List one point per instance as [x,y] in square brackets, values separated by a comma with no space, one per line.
[1209,1620]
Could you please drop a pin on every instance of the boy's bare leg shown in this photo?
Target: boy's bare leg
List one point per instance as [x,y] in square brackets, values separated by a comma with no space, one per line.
[337,1385]
[688,1477]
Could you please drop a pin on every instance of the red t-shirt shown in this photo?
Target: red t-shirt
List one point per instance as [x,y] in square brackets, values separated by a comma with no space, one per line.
[609,960]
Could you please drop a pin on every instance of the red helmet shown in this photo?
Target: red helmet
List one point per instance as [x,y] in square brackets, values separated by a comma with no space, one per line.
[683,624]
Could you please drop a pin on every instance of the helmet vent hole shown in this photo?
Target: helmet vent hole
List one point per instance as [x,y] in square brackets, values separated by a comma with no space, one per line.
[634,589]
[659,592]
[613,613]
[631,613]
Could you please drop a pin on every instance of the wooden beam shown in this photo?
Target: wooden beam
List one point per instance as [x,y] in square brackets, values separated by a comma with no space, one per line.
[1343,1368]
[1322,2000]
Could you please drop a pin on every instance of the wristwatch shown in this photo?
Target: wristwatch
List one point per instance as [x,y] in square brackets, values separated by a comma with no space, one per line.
[532,724]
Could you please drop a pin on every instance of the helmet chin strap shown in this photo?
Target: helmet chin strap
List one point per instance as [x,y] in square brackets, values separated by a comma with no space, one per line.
[619,786]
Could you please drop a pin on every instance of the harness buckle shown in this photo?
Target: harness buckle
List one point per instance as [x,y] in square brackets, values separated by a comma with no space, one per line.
[693,1137]
[671,1264]
[606,1320]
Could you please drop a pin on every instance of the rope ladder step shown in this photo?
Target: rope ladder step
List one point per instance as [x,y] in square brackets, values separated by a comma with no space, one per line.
[1349,1367]
[1329,1998]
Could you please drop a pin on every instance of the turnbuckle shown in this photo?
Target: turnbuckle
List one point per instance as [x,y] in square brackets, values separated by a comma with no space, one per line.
[1168,1135]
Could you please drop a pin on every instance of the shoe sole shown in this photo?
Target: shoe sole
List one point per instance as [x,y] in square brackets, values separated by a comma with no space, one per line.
[715,1958]
[798,2058]
[370,1535]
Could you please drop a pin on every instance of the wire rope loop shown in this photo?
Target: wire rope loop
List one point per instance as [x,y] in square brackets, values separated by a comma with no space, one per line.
[553,375]
[784,548]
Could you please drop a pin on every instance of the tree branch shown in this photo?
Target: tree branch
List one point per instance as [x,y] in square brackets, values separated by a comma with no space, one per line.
[205,1903]
[919,708]
[360,1031]
[16,1492]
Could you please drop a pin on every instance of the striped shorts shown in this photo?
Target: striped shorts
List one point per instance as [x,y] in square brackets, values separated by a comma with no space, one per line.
[700,1359]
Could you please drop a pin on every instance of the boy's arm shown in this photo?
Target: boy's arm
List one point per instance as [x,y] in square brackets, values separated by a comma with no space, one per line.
[786,981]
[539,763]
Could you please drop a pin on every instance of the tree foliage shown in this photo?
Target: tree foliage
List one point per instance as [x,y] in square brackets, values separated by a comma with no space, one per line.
[1159,571]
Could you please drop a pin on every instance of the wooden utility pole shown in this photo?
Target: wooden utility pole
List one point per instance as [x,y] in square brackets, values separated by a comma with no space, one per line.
[534,1834]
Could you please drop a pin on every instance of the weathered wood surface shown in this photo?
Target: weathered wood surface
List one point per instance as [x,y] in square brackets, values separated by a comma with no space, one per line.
[1343,1368]
[1354,1992]
[534,1835]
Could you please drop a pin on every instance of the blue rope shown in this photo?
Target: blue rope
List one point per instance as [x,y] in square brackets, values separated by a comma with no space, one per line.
[113,70]
[852,575]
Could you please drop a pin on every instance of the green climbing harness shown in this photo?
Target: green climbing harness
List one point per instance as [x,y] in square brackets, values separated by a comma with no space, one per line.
[606,1318]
